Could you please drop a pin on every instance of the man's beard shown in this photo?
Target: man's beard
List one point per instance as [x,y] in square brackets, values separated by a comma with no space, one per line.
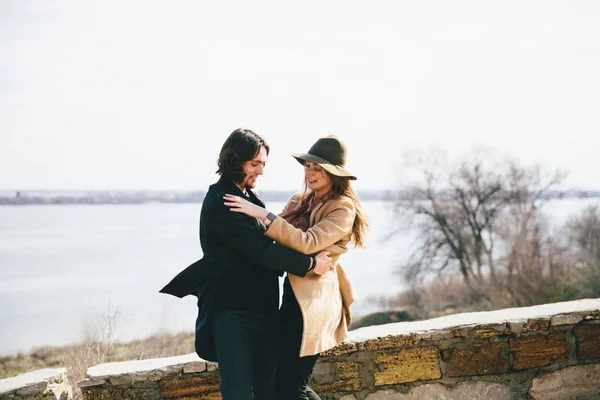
[249,183]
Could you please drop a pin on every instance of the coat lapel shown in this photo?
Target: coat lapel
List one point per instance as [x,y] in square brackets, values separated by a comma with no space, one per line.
[313,213]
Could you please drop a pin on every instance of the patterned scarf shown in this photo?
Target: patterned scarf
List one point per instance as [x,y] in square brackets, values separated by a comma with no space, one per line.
[300,217]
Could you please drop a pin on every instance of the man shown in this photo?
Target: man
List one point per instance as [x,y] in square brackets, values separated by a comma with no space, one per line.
[237,280]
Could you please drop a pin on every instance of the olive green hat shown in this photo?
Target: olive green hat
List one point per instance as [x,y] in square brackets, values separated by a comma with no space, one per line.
[330,153]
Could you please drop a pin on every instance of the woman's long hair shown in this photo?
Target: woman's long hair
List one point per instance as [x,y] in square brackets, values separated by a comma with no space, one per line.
[340,186]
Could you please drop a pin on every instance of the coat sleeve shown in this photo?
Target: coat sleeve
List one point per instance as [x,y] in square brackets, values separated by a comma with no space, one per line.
[242,234]
[333,226]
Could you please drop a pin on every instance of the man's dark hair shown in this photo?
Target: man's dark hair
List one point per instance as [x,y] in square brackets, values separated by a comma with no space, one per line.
[242,145]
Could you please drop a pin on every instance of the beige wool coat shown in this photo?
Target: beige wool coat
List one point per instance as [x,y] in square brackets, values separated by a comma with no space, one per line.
[324,300]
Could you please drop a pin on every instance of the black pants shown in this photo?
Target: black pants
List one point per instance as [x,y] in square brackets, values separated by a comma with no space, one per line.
[293,371]
[247,345]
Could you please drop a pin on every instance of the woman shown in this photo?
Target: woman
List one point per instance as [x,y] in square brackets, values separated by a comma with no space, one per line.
[326,215]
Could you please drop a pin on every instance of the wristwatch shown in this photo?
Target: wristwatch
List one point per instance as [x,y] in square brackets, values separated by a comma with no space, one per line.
[271,217]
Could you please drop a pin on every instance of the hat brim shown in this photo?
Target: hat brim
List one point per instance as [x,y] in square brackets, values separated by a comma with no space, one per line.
[327,165]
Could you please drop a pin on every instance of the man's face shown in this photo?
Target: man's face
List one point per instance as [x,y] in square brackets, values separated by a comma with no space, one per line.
[253,168]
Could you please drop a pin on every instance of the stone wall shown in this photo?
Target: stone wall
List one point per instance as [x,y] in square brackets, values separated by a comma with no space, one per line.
[43,384]
[543,352]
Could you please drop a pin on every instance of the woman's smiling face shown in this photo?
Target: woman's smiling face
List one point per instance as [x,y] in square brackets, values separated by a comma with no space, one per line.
[316,178]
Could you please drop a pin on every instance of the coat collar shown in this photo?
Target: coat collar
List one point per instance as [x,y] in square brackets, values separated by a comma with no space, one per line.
[328,197]
[231,188]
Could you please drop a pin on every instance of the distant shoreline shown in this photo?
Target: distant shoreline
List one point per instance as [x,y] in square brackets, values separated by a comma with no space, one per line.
[99,197]
[142,197]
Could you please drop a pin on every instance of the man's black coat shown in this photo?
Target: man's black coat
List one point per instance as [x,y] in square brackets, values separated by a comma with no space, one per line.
[229,240]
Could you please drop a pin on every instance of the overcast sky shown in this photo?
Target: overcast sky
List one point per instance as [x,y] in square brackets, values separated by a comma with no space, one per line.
[141,94]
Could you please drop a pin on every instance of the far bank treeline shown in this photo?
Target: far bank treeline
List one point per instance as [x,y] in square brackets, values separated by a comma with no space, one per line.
[27,197]
[41,197]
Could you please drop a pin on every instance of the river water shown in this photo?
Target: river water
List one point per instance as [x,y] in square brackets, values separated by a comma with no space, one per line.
[62,267]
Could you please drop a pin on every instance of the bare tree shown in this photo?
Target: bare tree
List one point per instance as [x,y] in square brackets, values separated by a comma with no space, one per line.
[583,232]
[474,218]
[584,235]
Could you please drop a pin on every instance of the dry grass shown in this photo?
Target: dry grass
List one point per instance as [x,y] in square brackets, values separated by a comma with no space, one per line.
[98,345]
[450,295]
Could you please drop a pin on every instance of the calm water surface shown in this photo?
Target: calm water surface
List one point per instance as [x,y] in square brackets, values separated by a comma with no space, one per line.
[62,267]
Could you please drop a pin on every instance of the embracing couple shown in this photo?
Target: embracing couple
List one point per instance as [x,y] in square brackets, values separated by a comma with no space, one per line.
[263,351]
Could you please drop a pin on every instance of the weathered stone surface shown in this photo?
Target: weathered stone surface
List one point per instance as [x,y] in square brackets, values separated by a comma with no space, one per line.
[156,375]
[346,378]
[592,315]
[541,324]
[95,393]
[344,348]
[323,373]
[392,342]
[469,390]
[538,350]
[39,387]
[477,360]
[204,384]
[484,332]
[121,380]
[516,326]
[388,394]
[168,370]
[479,331]
[125,379]
[36,382]
[120,394]
[577,382]
[407,365]
[434,336]
[198,366]
[212,366]
[565,319]
[462,331]
[348,397]
[89,383]
[588,341]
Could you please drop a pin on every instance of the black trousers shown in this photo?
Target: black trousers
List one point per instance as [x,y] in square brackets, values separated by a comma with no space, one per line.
[247,344]
[293,371]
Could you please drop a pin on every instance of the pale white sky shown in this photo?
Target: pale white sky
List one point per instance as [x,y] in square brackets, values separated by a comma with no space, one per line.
[141,94]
